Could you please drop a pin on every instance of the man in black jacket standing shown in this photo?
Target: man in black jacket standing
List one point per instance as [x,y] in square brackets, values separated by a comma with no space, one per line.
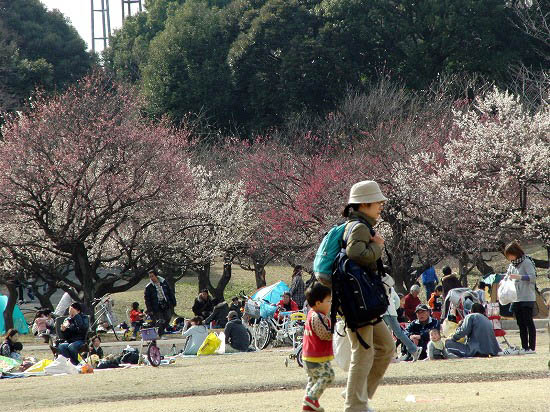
[159,300]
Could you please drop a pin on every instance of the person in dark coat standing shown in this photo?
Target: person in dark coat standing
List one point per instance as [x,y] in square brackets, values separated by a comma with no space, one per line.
[159,300]
[298,287]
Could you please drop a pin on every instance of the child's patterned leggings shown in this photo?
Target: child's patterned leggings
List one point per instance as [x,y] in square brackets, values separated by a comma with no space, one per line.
[320,375]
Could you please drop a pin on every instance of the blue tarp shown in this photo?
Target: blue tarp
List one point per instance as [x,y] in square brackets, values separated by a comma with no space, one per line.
[273,294]
[18,319]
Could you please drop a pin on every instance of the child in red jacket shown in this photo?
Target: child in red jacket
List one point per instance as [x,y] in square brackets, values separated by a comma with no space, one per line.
[317,346]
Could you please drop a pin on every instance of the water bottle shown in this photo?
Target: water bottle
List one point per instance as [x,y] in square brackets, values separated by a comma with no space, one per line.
[174,350]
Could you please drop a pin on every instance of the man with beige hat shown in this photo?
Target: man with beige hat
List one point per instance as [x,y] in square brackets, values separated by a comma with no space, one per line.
[367,366]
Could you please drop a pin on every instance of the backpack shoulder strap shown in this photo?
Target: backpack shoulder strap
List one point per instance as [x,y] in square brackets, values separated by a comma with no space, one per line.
[348,234]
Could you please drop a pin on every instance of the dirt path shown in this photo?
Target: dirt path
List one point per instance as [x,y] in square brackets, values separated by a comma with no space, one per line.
[510,396]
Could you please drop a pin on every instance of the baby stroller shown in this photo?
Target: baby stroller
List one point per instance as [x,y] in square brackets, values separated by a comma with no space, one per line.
[459,301]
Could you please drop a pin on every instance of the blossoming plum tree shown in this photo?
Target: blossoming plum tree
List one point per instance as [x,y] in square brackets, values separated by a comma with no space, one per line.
[85,180]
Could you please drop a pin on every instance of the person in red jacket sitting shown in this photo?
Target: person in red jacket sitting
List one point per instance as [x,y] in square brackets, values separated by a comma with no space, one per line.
[286,304]
[411,302]
[317,346]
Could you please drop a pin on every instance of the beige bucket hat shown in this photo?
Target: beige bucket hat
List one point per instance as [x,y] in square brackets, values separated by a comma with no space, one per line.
[366,191]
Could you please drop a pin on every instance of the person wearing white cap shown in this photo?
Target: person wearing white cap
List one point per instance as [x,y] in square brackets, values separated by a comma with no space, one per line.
[367,366]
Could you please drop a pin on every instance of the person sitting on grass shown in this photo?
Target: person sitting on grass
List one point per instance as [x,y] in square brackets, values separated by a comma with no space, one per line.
[196,333]
[436,347]
[136,319]
[317,346]
[218,317]
[43,324]
[11,348]
[74,330]
[411,302]
[203,305]
[480,337]
[419,330]
[236,305]
[237,336]
[95,347]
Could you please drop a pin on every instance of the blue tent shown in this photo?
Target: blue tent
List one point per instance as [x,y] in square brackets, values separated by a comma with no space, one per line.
[273,294]
[18,319]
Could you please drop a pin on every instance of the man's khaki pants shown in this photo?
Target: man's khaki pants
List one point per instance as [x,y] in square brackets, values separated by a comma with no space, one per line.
[367,367]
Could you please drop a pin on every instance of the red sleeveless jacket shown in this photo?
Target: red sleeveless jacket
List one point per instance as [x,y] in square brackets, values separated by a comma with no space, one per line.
[316,349]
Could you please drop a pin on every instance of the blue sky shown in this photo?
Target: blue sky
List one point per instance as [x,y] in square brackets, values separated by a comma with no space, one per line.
[79,13]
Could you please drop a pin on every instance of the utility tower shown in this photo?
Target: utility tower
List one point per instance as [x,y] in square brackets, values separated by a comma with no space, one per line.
[100,10]
[127,8]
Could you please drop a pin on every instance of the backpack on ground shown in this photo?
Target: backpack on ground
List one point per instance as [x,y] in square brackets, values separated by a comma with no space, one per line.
[358,293]
[328,251]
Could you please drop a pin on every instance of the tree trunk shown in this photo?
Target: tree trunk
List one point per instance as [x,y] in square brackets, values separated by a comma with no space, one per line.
[463,270]
[85,274]
[483,267]
[44,298]
[218,291]
[204,276]
[8,311]
[259,273]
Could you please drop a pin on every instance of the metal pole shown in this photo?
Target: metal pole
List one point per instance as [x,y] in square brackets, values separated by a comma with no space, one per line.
[104,27]
[108,21]
[122,4]
[140,9]
[93,31]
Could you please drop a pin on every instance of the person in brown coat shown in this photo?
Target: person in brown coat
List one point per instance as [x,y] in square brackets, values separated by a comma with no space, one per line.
[449,281]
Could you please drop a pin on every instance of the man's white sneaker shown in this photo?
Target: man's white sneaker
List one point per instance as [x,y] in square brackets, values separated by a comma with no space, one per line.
[508,352]
[530,352]
[417,353]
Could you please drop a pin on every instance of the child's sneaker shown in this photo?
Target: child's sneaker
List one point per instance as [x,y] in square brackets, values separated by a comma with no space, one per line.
[313,404]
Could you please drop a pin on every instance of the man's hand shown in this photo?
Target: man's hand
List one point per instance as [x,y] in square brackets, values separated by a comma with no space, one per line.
[378,239]
[415,339]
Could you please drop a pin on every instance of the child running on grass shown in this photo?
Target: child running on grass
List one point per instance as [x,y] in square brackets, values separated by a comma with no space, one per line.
[317,346]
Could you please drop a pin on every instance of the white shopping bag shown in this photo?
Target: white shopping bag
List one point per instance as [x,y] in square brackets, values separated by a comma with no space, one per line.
[507,291]
[341,346]
[221,348]
[61,365]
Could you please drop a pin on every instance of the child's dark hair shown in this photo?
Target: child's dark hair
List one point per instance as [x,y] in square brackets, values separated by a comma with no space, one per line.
[17,346]
[447,270]
[478,308]
[317,293]
[135,305]
[439,288]
[286,294]
[197,320]
[94,338]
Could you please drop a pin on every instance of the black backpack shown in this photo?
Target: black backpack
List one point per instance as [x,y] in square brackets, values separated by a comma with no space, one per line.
[358,293]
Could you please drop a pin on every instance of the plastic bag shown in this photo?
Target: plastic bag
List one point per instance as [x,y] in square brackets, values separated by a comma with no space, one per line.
[210,345]
[61,365]
[221,348]
[507,291]
[39,367]
[341,346]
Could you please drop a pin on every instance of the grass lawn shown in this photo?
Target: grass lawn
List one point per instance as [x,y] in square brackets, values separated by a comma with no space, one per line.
[260,381]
